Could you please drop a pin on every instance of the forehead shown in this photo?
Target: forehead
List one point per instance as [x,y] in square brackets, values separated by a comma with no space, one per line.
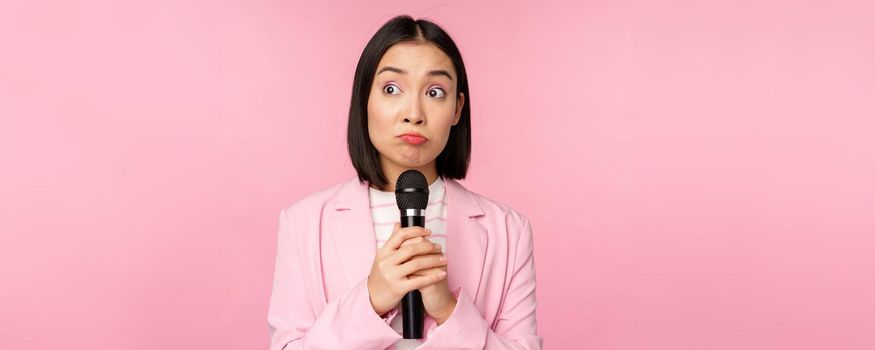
[417,58]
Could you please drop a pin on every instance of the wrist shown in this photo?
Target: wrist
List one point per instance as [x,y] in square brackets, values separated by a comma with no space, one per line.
[378,307]
[442,317]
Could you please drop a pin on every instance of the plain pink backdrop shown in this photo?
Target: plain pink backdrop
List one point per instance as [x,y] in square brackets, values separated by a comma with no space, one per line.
[699,174]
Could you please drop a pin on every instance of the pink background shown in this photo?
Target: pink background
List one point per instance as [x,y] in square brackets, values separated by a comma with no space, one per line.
[700,175]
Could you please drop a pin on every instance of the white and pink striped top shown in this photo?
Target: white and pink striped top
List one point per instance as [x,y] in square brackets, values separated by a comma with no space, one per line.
[385,213]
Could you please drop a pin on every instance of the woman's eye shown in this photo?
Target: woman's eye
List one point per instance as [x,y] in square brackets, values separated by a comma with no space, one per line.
[436,92]
[392,89]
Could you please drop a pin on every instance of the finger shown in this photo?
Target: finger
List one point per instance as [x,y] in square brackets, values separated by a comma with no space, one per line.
[402,234]
[429,271]
[385,250]
[407,252]
[415,240]
[422,281]
[422,262]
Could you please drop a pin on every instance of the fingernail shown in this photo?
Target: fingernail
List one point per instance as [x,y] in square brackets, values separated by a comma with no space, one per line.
[442,274]
[443,259]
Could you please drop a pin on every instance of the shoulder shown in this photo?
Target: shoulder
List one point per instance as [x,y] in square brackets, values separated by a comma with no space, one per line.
[315,202]
[498,211]
[508,225]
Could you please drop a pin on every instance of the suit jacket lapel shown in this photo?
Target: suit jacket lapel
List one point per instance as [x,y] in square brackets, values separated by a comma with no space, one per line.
[352,233]
[466,239]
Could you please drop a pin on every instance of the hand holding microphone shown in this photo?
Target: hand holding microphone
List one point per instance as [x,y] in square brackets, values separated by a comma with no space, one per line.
[398,274]
[397,269]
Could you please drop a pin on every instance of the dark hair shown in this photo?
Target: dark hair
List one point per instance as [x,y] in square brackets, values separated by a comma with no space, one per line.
[453,160]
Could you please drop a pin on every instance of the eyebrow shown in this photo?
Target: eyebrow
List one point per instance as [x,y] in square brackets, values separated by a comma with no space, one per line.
[401,71]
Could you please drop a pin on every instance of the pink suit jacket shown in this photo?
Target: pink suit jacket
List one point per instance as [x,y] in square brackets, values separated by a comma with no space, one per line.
[325,249]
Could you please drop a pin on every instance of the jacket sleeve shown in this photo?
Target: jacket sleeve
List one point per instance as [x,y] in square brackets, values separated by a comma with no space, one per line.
[349,322]
[515,327]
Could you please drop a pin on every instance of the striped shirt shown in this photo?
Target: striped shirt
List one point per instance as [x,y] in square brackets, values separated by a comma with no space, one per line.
[385,213]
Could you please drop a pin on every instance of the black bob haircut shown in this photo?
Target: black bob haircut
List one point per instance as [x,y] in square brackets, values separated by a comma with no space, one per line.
[453,160]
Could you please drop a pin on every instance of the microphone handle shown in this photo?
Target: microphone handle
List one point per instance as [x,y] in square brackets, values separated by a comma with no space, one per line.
[412,310]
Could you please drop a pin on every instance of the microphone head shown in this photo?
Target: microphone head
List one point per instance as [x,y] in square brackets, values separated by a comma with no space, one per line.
[411,190]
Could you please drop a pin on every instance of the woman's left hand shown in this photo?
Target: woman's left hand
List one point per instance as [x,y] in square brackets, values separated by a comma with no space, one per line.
[437,298]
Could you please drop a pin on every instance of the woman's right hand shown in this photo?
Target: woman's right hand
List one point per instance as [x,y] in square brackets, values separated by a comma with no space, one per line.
[390,277]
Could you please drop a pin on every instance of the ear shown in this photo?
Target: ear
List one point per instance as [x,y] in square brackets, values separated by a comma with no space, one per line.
[460,102]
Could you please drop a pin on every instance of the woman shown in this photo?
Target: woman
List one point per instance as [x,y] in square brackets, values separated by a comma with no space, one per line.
[343,263]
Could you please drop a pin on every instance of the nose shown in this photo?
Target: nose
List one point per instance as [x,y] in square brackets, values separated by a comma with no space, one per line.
[414,120]
[414,113]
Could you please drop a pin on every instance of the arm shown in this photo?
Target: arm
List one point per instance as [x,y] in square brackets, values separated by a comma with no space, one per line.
[349,322]
[515,328]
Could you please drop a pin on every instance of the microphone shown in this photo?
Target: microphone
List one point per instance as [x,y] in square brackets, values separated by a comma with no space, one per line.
[411,194]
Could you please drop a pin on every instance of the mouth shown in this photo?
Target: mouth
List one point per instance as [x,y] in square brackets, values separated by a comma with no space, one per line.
[413,138]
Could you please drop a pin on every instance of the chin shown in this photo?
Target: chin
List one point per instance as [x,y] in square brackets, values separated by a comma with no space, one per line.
[408,163]
[411,165]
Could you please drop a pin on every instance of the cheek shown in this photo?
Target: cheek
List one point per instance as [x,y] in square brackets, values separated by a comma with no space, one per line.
[379,108]
[375,130]
[380,122]
[441,132]
[442,117]
[377,119]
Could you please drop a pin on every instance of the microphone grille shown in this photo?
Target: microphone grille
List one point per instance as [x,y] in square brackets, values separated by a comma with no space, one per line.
[411,190]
